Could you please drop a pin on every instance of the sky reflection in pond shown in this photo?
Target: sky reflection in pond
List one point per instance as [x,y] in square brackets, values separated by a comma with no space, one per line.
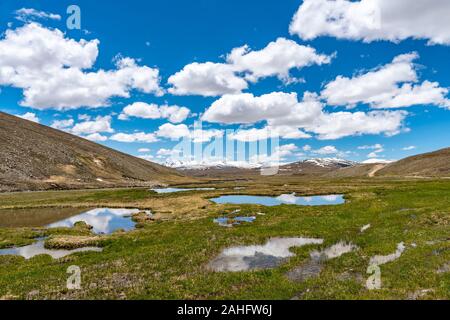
[230,221]
[253,257]
[103,220]
[38,248]
[173,190]
[282,199]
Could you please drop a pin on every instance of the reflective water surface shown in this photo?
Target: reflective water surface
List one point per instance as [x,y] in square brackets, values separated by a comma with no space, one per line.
[37,248]
[269,255]
[173,190]
[231,221]
[282,199]
[102,220]
[35,217]
[314,266]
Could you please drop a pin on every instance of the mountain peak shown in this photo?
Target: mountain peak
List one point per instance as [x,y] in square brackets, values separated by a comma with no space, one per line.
[181,164]
[223,164]
[330,162]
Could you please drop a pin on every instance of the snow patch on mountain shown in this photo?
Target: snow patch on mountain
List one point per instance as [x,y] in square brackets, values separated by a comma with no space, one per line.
[220,164]
[330,162]
[210,164]
[373,161]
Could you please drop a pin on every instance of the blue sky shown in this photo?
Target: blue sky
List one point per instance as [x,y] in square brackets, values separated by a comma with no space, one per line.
[406,115]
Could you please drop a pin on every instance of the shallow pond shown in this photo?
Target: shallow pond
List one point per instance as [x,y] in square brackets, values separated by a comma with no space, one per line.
[103,220]
[231,221]
[38,248]
[314,266]
[35,217]
[282,199]
[269,255]
[173,190]
[379,260]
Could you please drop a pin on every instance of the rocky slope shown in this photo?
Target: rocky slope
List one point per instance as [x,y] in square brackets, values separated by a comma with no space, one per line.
[433,164]
[316,167]
[36,157]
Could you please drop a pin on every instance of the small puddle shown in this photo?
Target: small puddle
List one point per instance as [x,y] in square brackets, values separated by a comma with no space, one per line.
[379,260]
[314,266]
[38,248]
[256,257]
[173,190]
[282,199]
[102,220]
[232,221]
[335,251]
[374,281]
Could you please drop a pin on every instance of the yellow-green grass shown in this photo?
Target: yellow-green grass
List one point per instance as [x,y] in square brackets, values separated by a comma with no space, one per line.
[167,258]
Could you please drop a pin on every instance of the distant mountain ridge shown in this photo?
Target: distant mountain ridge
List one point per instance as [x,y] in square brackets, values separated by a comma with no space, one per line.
[315,166]
[36,157]
[204,165]
[331,162]
[434,164]
[246,170]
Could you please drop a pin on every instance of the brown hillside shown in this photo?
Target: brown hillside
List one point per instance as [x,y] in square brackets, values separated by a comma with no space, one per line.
[434,164]
[357,171]
[36,157]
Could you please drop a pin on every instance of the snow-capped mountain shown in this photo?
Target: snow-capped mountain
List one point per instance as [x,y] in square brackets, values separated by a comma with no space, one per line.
[316,166]
[331,162]
[218,164]
[205,165]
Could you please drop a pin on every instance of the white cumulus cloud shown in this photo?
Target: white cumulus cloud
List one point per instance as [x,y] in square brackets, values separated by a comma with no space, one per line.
[327,150]
[27,14]
[247,108]
[30,116]
[200,135]
[141,137]
[98,125]
[390,86]
[62,124]
[173,132]
[90,128]
[96,137]
[167,152]
[284,110]
[53,70]
[206,79]
[370,147]
[376,149]
[176,132]
[242,65]
[372,161]
[175,114]
[268,132]
[276,59]
[372,20]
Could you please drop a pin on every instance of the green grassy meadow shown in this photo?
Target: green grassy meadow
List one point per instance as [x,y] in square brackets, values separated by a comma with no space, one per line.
[167,258]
